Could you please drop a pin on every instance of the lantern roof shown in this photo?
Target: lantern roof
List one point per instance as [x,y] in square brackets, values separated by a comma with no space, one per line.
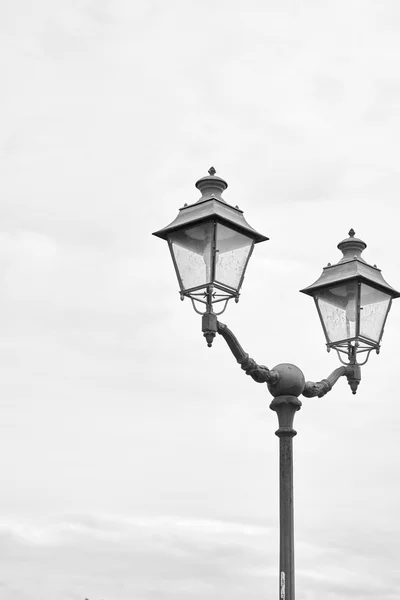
[350,267]
[211,205]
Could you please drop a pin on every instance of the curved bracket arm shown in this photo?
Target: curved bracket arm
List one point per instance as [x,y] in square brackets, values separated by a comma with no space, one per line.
[320,388]
[260,373]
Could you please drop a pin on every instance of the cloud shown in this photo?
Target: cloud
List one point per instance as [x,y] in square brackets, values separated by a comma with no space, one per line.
[100,557]
[146,557]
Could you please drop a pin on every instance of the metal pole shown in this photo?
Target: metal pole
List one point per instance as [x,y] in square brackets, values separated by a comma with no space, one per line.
[286,407]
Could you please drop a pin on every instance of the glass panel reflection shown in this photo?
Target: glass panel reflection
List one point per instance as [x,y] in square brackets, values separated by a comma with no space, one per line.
[233,251]
[374,308]
[338,309]
[192,250]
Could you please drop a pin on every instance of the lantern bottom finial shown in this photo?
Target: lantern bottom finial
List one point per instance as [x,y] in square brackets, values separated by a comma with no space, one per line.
[209,338]
[209,327]
[353,374]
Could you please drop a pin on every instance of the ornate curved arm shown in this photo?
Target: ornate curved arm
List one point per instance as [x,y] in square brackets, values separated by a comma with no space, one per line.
[320,388]
[259,373]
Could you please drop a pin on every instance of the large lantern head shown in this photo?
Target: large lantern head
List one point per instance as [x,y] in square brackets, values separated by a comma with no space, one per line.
[210,243]
[353,301]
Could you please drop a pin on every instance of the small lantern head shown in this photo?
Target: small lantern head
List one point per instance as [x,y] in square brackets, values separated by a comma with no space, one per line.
[211,244]
[353,301]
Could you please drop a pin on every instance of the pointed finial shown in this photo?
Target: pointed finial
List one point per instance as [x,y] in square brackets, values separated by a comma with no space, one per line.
[211,186]
[351,247]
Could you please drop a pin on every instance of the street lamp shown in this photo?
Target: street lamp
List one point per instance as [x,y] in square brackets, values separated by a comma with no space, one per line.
[211,244]
[353,301]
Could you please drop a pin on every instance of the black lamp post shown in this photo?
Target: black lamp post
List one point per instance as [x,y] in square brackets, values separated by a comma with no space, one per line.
[211,244]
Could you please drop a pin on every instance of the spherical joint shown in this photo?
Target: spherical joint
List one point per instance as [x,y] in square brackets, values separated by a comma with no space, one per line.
[291,381]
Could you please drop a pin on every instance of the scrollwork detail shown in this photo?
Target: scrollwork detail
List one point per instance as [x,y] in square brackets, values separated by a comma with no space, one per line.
[260,373]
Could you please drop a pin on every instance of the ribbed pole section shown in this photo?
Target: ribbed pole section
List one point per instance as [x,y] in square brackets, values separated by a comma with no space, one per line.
[286,407]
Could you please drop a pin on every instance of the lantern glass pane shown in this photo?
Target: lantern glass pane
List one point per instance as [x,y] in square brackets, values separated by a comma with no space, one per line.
[233,251]
[338,311]
[192,251]
[374,308]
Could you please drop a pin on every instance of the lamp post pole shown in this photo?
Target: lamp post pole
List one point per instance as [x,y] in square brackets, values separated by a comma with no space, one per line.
[286,407]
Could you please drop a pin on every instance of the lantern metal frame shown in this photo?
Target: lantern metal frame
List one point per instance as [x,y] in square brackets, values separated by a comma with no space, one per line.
[352,268]
[211,208]
[361,343]
[209,293]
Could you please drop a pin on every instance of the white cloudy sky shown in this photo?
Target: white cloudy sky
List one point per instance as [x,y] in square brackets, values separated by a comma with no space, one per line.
[136,463]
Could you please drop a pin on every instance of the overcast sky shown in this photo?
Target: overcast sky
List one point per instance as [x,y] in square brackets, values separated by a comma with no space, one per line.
[135,462]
